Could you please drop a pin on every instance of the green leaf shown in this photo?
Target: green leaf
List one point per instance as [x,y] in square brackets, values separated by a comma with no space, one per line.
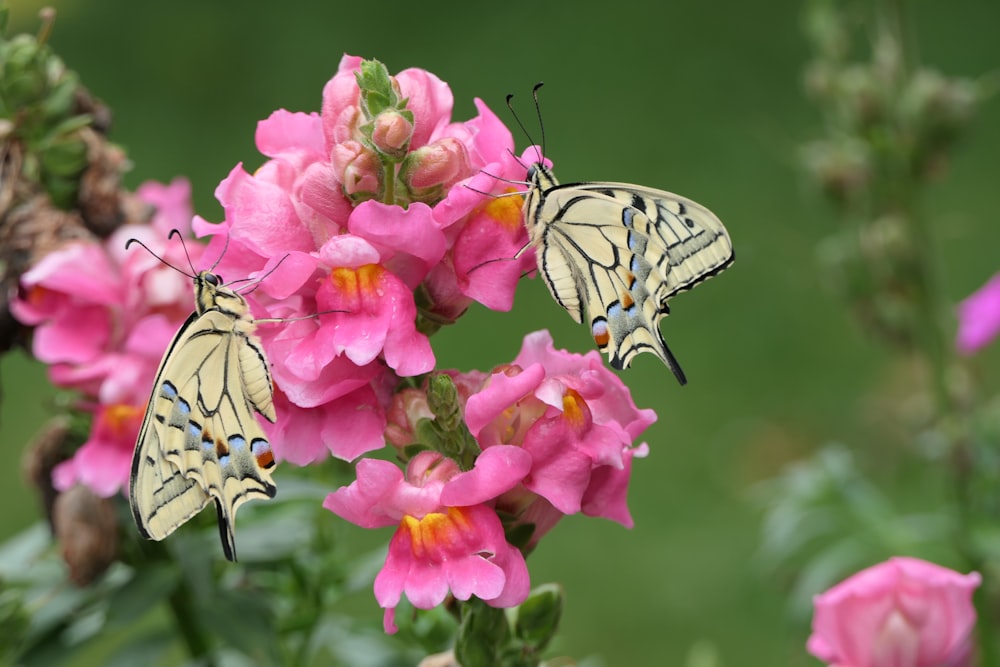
[14,622]
[19,554]
[377,93]
[537,619]
[62,190]
[148,586]
[245,621]
[66,156]
[148,648]
[482,634]
[61,98]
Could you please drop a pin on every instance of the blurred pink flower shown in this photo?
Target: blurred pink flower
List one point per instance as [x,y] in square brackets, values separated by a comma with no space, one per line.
[103,316]
[979,317]
[904,612]
[437,547]
[103,463]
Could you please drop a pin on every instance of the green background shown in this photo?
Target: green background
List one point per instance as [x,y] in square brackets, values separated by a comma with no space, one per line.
[700,98]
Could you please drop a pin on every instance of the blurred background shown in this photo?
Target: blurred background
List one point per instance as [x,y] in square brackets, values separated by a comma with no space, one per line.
[704,99]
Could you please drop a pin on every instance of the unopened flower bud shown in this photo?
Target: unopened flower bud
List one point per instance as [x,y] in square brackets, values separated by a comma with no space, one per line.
[357,168]
[427,171]
[392,131]
[842,168]
[86,528]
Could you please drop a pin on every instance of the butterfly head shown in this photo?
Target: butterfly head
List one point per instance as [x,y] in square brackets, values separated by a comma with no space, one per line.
[211,294]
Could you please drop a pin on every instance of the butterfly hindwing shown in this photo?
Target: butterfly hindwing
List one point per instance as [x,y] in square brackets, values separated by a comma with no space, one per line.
[200,439]
[621,251]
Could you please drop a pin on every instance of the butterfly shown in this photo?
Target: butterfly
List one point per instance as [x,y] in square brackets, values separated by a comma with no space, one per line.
[621,251]
[199,439]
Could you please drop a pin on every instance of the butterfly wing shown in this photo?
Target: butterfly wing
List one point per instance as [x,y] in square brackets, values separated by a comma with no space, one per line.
[200,439]
[623,250]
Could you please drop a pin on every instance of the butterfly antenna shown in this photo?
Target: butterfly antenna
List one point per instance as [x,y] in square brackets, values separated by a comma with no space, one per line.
[518,120]
[538,111]
[162,261]
[516,158]
[257,279]
[222,254]
[176,232]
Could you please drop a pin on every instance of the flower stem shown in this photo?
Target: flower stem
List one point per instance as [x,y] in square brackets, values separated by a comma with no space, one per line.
[931,336]
[186,618]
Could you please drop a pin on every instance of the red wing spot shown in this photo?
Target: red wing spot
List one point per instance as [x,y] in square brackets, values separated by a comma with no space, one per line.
[630,281]
[599,330]
[265,459]
[626,300]
[221,449]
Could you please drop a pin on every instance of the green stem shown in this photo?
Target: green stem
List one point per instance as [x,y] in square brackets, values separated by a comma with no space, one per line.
[185,616]
[389,182]
[932,338]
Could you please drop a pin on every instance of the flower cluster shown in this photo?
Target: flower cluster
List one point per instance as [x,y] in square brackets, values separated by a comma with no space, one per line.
[904,611]
[553,433]
[372,223]
[356,217]
[103,317]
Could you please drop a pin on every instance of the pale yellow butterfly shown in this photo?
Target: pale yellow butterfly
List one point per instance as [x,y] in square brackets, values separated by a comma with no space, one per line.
[621,251]
[200,440]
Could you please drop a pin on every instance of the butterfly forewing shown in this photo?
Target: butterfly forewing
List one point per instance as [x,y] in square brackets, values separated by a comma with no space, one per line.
[199,439]
[621,251]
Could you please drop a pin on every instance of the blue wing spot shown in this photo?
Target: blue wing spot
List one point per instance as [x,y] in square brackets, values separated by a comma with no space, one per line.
[632,241]
[259,446]
[627,215]
[224,460]
[237,441]
[168,390]
[183,406]
[614,310]
[194,429]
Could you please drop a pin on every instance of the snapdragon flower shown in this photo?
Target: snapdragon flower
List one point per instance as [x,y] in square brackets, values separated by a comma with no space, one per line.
[550,434]
[363,236]
[103,317]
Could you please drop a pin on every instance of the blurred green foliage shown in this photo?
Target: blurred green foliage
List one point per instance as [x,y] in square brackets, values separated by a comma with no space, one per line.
[705,99]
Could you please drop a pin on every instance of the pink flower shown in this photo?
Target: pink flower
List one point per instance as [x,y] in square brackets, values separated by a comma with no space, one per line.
[904,612]
[103,316]
[551,439]
[437,547]
[358,208]
[575,418]
[103,463]
[979,317]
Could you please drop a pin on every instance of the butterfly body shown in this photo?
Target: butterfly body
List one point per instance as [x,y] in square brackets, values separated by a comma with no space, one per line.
[199,439]
[619,252]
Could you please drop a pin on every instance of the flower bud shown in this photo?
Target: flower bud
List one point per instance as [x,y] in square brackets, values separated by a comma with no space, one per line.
[357,168]
[86,528]
[392,131]
[429,170]
[843,168]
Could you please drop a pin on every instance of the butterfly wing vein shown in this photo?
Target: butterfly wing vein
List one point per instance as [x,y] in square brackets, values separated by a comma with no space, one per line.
[621,251]
[200,440]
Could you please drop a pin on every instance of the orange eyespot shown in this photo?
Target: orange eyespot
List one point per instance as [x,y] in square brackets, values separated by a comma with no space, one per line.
[599,330]
[265,459]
